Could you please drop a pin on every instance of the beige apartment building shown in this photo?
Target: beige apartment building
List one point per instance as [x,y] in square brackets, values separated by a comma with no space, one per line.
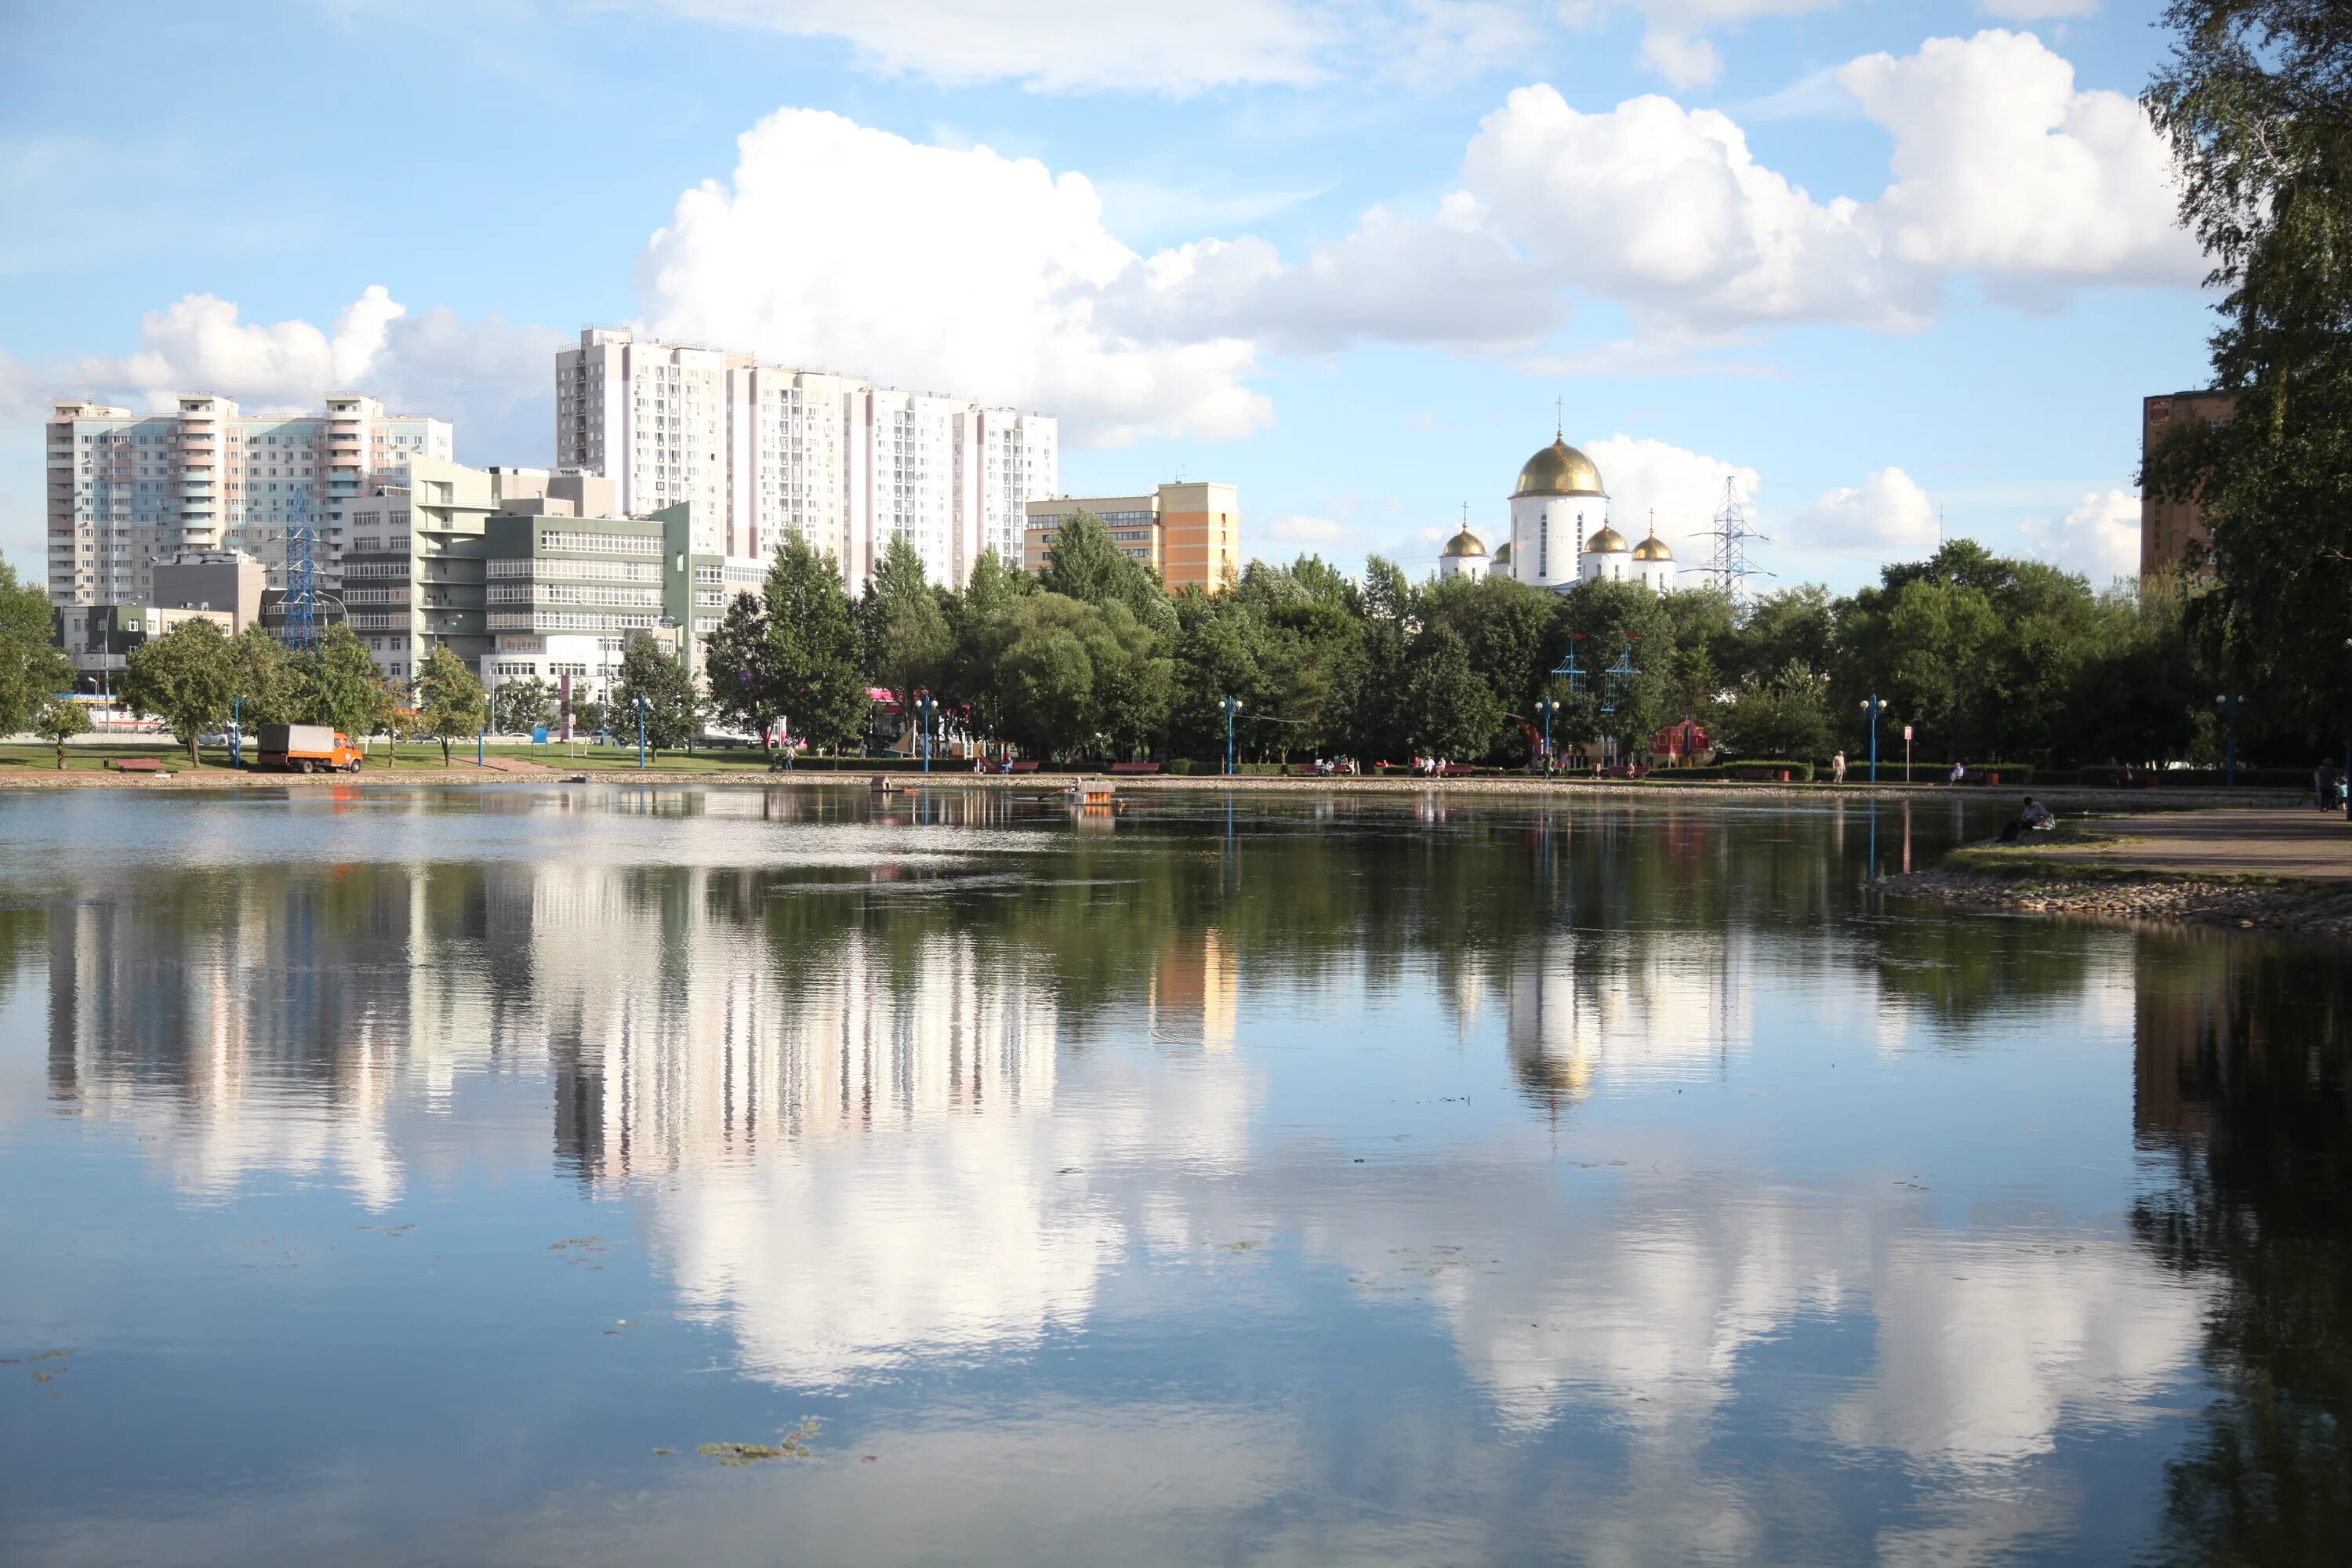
[2168,529]
[1189,532]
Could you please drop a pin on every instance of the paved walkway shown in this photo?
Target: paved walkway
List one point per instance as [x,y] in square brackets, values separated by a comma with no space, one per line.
[2307,845]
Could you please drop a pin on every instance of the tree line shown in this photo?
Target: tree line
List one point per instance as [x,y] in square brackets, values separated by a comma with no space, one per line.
[1988,658]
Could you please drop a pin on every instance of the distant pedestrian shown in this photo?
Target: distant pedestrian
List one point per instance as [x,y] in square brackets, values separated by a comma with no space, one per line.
[2324,784]
[1960,774]
[1837,768]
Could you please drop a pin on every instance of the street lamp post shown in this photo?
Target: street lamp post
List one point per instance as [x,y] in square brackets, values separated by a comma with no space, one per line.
[641,732]
[1547,706]
[1231,705]
[236,732]
[2228,705]
[926,704]
[1874,705]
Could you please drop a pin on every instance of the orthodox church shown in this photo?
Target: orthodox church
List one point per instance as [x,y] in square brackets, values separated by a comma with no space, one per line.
[1557,498]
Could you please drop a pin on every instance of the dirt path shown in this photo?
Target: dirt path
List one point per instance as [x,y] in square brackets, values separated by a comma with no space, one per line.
[2306,846]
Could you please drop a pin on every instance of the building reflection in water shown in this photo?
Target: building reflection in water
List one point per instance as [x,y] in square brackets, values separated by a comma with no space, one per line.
[857,1105]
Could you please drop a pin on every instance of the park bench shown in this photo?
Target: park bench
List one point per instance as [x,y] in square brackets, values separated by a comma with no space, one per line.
[1761,775]
[136,765]
[1135,767]
[1029,766]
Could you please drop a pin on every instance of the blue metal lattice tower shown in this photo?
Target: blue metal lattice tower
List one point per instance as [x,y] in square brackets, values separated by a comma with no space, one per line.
[301,631]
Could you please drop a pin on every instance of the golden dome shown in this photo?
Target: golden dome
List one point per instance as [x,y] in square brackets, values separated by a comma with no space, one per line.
[1653,549]
[1560,469]
[1608,541]
[1466,543]
[1503,556]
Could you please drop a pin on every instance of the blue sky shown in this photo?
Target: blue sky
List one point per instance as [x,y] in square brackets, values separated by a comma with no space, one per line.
[1890,264]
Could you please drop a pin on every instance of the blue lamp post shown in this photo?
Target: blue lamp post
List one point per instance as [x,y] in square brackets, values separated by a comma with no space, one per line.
[641,732]
[236,732]
[2228,705]
[925,708]
[1873,706]
[1231,705]
[1547,706]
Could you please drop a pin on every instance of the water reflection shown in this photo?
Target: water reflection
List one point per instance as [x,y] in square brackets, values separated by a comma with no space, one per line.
[2243,1089]
[1606,1184]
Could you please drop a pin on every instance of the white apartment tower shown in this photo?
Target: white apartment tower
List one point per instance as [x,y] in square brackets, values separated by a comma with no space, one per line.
[127,490]
[756,450]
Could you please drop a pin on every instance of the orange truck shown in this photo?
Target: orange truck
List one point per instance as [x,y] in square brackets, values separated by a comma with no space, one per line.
[306,749]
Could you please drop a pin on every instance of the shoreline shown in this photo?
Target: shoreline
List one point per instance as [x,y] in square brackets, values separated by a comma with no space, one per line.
[1712,790]
[2134,896]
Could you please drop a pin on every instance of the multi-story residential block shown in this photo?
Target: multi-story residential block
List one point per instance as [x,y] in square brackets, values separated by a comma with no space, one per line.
[2170,532]
[1190,532]
[525,574]
[756,451]
[128,489]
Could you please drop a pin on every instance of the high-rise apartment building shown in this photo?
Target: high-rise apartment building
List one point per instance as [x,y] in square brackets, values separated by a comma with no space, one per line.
[127,490]
[2168,529]
[755,451]
[1189,532]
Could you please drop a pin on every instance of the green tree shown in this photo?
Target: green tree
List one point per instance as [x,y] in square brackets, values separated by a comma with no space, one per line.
[655,686]
[1086,563]
[902,629]
[265,680]
[339,684]
[450,705]
[1452,712]
[738,662]
[31,669]
[980,628]
[1622,625]
[2256,104]
[813,658]
[59,721]
[1785,716]
[391,713]
[1078,677]
[185,677]
[519,707]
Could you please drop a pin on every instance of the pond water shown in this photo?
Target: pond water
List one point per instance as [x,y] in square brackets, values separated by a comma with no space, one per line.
[432,1176]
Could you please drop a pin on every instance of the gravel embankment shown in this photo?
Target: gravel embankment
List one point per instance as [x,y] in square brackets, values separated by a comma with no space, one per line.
[2193,900]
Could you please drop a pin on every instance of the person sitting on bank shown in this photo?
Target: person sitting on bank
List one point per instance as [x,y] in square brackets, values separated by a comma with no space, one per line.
[1959,773]
[2033,817]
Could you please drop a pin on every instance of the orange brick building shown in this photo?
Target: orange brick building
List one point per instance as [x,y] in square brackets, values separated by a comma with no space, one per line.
[1190,532]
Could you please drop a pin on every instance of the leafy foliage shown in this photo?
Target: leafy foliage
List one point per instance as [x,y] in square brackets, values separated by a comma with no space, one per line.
[450,705]
[655,686]
[186,678]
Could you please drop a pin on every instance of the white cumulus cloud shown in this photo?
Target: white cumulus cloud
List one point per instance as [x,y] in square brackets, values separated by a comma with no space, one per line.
[490,377]
[2003,168]
[2098,537]
[1681,491]
[836,244]
[1887,512]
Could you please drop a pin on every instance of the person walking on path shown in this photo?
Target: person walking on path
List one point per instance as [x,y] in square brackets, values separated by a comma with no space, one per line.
[1837,768]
